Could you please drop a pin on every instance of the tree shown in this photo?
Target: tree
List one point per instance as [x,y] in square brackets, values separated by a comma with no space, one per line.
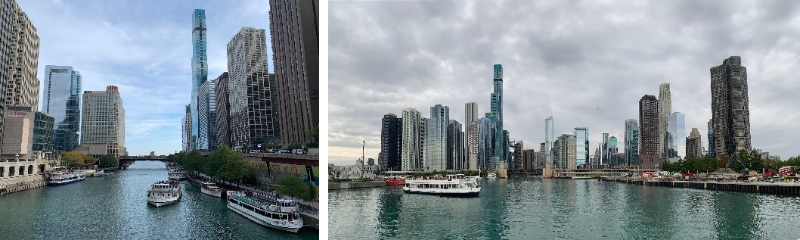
[313,135]
[108,160]
[290,185]
[295,146]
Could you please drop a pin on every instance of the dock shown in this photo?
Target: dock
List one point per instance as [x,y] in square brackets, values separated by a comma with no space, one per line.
[791,189]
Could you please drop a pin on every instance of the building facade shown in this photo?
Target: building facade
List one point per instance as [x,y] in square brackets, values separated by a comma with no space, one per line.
[485,143]
[391,142]
[664,110]
[199,71]
[604,155]
[206,105]
[103,121]
[730,107]
[676,136]
[470,115]
[410,140]
[62,89]
[472,146]
[710,150]
[43,132]
[549,138]
[250,95]
[612,149]
[436,139]
[631,142]
[222,115]
[187,129]
[295,44]
[649,132]
[455,146]
[694,145]
[500,149]
[581,145]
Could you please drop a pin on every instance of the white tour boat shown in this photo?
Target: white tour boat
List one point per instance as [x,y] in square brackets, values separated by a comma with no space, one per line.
[164,193]
[176,174]
[491,175]
[210,188]
[63,178]
[100,173]
[452,185]
[268,215]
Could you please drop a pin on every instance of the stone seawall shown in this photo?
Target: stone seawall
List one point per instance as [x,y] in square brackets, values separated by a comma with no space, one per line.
[21,183]
[792,189]
[346,185]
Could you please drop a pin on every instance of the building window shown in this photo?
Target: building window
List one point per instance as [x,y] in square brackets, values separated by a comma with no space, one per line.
[10,171]
[22,170]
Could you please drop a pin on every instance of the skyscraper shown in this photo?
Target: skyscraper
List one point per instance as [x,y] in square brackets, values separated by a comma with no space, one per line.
[43,132]
[694,145]
[604,153]
[19,61]
[649,122]
[391,142]
[500,149]
[206,105]
[295,45]
[472,146]
[222,115]
[62,89]
[470,115]
[410,140]
[730,107]
[664,110]
[548,139]
[485,143]
[455,146]
[103,121]
[199,70]
[436,139]
[612,149]
[250,99]
[631,142]
[187,129]
[677,136]
[581,145]
[710,137]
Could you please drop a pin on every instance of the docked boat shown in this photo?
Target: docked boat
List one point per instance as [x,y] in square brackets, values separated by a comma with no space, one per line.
[491,175]
[394,181]
[176,174]
[163,193]
[99,173]
[269,215]
[63,178]
[210,188]
[453,185]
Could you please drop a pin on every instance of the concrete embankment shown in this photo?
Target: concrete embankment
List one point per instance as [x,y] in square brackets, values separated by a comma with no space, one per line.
[751,187]
[346,185]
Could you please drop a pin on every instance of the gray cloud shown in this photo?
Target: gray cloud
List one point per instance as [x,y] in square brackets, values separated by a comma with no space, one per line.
[587,62]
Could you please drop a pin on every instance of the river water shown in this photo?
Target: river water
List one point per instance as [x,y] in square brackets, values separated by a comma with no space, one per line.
[532,208]
[115,207]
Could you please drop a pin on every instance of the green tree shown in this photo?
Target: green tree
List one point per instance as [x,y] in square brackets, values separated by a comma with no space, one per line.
[295,146]
[108,160]
[290,185]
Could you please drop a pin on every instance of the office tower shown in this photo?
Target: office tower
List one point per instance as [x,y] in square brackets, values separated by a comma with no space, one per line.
[540,159]
[486,143]
[391,142]
[455,146]
[507,146]
[730,107]
[631,142]
[518,156]
[187,129]
[664,110]
[612,149]
[596,158]
[250,99]
[410,140]
[43,132]
[694,145]
[677,136]
[581,145]
[19,61]
[548,138]
[470,115]
[436,139]
[222,115]
[570,148]
[62,89]
[103,121]
[528,158]
[500,149]
[649,122]
[710,151]
[199,71]
[472,145]
[206,105]
[295,46]
[604,157]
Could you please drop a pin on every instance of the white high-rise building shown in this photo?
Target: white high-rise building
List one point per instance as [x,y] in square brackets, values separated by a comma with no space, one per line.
[549,138]
[410,143]
[103,121]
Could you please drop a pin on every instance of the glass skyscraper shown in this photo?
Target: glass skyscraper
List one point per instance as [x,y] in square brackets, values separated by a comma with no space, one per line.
[549,138]
[199,70]
[677,136]
[581,146]
[631,141]
[497,117]
[62,91]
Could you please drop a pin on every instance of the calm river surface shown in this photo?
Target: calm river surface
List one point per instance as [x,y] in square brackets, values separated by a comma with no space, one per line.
[115,207]
[532,208]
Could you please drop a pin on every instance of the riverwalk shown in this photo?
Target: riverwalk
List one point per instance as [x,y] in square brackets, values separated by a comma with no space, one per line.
[792,189]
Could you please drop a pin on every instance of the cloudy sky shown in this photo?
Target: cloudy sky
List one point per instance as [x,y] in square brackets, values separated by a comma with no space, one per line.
[145,48]
[587,62]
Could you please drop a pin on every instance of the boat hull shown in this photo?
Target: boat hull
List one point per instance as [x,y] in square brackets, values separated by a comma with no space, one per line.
[395,182]
[445,194]
[64,182]
[163,203]
[241,211]
[211,193]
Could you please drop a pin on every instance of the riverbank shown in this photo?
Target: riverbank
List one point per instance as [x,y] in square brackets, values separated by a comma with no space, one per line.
[348,185]
[792,189]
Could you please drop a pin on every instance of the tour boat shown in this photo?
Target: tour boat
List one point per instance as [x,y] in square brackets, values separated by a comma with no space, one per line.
[163,193]
[491,175]
[176,174]
[394,181]
[99,173]
[268,215]
[457,186]
[63,178]
[211,189]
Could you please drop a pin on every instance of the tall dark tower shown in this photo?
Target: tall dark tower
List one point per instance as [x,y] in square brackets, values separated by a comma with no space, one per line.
[730,107]
[649,127]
